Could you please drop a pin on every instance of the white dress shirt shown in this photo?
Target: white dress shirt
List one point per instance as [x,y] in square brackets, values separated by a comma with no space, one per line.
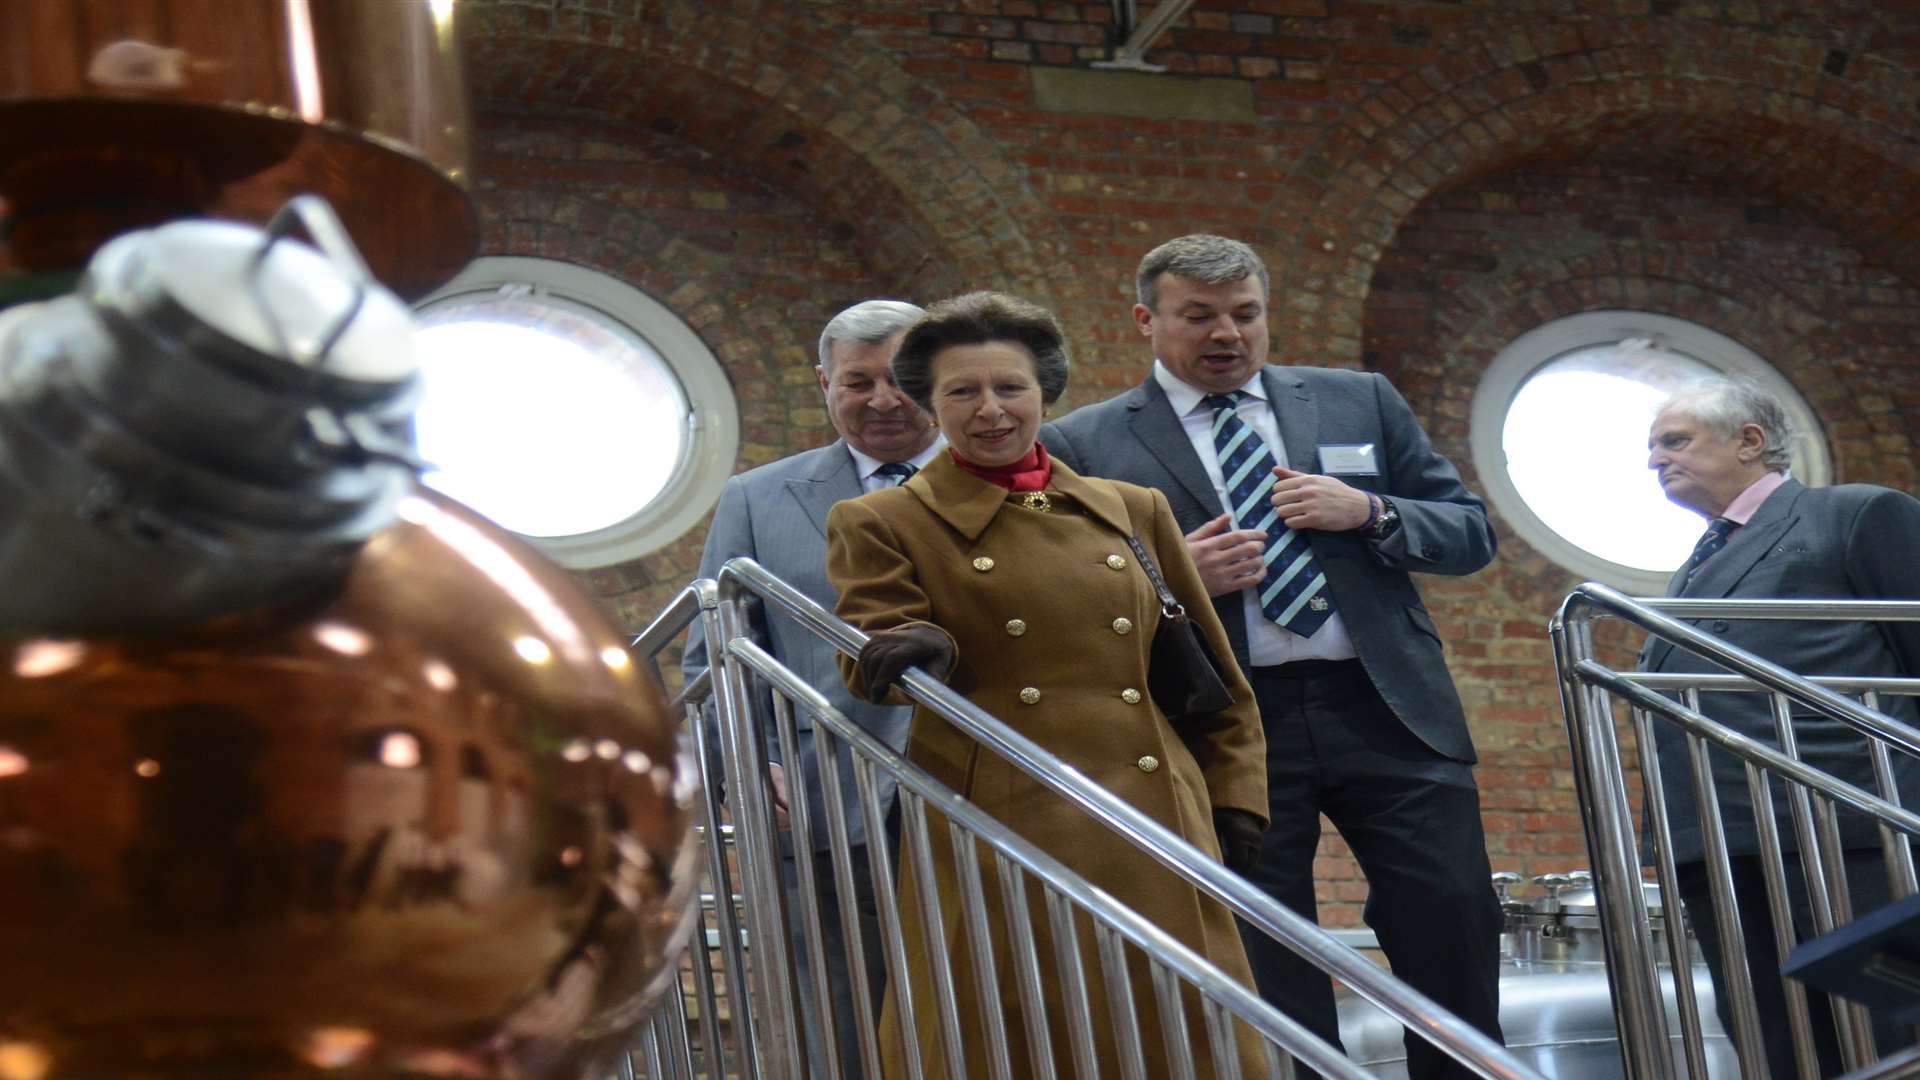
[1267,643]
[869,467]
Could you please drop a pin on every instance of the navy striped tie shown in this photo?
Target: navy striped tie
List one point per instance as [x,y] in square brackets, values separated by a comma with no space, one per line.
[1294,593]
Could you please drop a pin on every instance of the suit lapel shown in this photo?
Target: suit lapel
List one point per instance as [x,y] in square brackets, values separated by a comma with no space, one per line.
[1718,576]
[830,480]
[1151,417]
[1297,416]
[1724,570]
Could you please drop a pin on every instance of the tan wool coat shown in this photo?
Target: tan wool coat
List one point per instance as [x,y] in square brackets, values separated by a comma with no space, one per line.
[1052,621]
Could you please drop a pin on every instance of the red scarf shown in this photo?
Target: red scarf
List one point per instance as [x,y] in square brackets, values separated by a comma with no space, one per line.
[1030,473]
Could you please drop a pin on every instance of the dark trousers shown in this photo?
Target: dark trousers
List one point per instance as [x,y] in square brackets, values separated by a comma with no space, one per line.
[1412,819]
[869,954]
[1866,887]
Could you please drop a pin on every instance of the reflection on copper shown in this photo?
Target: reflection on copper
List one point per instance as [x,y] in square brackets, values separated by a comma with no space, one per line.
[335,1047]
[22,1060]
[136,66]
[46,656]
[532,650]
[399,750]
[617,659]
[304,65]
[146,768]
[576,751]
[572,856]
[606,749]
[343,639]
[12,762]
[637,761]
[439,675]
[507,570]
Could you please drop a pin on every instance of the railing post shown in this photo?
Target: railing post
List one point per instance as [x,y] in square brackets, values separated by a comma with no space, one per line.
[1602,790]
[744,757]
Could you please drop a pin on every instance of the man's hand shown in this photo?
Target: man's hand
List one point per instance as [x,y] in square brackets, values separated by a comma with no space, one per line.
[1312,501]
[1228,558]
[777,780]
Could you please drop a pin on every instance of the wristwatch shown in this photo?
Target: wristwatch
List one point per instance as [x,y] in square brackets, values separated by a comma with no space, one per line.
[1386,522]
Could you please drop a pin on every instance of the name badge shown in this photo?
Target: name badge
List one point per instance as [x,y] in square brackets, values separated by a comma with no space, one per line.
[1350,459]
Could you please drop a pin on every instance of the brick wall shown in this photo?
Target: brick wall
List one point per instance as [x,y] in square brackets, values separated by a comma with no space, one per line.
[1427,180]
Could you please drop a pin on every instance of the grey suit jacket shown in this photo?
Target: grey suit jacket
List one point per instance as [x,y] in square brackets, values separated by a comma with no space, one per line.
[1136,437]
[1853,542]
[777,515]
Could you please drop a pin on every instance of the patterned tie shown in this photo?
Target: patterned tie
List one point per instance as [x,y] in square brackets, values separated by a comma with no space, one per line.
[1711,541]
[1294,593]
[897,471]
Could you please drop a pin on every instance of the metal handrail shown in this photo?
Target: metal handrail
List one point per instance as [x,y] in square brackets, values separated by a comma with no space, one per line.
[1585,685]
[1412,1009]
[1178,957]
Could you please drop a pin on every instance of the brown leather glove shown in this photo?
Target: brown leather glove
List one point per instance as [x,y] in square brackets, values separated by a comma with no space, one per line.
[1240,834]
[890,652]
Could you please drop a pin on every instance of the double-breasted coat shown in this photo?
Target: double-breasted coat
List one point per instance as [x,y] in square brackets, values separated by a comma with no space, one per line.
[1052,623]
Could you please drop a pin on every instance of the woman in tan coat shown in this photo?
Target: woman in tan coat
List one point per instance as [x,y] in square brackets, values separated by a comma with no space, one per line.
[1011,576]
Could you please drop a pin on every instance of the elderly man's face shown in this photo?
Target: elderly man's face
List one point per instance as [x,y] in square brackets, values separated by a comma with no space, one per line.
[1698,467]
[866,408]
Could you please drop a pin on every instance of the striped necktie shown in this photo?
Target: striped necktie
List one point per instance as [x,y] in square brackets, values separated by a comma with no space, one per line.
[1294,593]
[1715,538]
[898,472]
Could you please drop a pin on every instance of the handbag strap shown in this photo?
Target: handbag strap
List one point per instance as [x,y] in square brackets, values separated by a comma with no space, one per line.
[1169,606]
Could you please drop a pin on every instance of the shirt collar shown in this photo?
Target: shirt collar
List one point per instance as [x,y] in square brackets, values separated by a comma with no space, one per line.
[1185,397]
[1744,505]
[866,464]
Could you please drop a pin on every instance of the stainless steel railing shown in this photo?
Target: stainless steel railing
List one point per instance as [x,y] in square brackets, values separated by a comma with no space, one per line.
[766,1037]
[1588,692]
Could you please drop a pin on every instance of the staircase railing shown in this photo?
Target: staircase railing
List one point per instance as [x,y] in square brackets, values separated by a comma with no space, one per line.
[1589,690]
[760,983]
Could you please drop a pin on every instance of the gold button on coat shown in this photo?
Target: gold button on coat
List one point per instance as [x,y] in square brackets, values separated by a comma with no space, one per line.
[1123,626]
[1148,763]
[1016,627]
[983,564]
[1115,562]
[1130,696]
[1030,695]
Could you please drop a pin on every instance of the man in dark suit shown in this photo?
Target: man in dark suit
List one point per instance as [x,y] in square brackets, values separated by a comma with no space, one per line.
[1309,495]
[1722,449]
[777,515]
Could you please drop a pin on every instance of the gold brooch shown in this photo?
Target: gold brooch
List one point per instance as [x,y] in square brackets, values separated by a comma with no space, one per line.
[1037,500]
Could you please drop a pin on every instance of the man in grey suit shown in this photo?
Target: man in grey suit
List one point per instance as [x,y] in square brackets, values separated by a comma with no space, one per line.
[1309,495]
[777,515]
[1722,448]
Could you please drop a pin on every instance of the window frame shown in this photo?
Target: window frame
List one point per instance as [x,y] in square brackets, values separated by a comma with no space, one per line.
[712,434]
[1533,350]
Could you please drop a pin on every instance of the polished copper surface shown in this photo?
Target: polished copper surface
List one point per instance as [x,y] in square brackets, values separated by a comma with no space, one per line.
[439,825]
[120,113]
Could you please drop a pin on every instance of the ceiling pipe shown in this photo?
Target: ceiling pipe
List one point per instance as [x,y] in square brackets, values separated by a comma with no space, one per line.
[1141,37]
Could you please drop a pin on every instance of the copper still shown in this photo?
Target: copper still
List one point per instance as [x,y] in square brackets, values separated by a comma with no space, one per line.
[304,770]
[116,114]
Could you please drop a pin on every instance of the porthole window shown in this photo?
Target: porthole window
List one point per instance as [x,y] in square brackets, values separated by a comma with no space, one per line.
[571,408]
[1559,438]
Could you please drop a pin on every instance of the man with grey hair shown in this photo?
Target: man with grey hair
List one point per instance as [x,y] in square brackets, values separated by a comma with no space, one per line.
[1309,495]
[1722,448]
[776,514]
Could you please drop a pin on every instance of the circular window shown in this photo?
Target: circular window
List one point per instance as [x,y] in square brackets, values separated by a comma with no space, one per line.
[571,408]
[1559,438]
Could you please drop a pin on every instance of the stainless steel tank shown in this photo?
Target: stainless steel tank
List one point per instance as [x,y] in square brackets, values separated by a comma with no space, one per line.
[1555,1009]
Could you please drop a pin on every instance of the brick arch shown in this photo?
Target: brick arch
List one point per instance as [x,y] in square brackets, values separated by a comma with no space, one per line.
[1715,102]
[809,107]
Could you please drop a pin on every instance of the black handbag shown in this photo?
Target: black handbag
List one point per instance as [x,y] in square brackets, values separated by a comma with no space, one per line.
[1183,675]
